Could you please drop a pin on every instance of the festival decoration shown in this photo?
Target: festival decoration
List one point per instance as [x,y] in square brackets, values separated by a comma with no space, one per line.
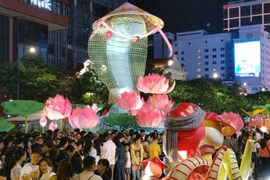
[149,116]
[161,102]
[84,117]
[154,167]
[155,84]
[234,120]
[57,108]
[183,124]
[118,48]
[130,101]
[52,126]
[5,126]
[22,108]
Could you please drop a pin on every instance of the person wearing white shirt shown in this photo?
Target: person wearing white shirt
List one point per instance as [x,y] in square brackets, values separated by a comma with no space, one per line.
[108,152]
[89,166]
[30,171]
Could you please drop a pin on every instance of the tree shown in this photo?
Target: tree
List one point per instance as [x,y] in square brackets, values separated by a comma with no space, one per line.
[88,89]
[38,80]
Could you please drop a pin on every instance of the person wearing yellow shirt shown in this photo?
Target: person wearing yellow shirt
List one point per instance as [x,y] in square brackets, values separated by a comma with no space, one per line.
[154,148]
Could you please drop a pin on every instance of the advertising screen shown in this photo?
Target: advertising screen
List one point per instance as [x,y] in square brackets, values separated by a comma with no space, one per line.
[44,4]
[247,59]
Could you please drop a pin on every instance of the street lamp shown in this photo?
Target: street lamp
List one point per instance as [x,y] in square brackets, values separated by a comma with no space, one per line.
[32,50]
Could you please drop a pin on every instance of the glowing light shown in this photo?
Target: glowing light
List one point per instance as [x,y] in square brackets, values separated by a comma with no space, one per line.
[32,50]
[263,89]
[183,154]
[109,34]
[215,75]
[263,129]
[170,62]
[245,84]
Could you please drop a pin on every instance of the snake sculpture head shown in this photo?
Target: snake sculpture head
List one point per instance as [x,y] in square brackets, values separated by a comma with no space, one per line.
[118,47]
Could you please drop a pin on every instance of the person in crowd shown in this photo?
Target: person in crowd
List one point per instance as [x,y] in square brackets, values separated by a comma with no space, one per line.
[103,169]
[97,146]
[108,152]
[154,148]
[19,143]
[61,151]
[255,156]
[230,143]
[75,159]
[119,173]
[89,166]
[238,150]
[64,171]
[45,167]
[38,143]
[127,162]
[31,170]
[136,146]
[142,133]
[136,166]
[146,146]
[15,164]
[265,154]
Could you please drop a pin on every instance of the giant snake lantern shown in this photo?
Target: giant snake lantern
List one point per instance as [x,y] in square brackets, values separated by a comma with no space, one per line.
[118,48]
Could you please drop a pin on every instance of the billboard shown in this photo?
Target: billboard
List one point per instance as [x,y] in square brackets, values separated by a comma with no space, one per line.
[247,59]
[44,4]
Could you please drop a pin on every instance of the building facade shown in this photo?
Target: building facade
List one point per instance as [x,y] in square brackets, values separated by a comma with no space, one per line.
[211,56]
[245,13]
[26,23]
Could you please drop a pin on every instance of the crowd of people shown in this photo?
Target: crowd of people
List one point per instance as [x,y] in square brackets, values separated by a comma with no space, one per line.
[260,150]
[77,155]
[114,155]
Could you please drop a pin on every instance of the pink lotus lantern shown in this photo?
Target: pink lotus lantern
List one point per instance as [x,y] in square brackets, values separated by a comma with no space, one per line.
[43,121]
[161,102]
[130,101]
[149,116]
[84,117]
[52,126]
[234,120]
[154,83]
[57,108]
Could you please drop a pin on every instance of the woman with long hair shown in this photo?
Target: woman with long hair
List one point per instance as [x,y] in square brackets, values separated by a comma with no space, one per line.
[64,171]
[45,167]
[15,164]
[103,169]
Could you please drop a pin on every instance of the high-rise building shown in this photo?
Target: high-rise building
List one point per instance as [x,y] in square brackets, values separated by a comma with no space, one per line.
[26,23]
[69,47]
[245,13]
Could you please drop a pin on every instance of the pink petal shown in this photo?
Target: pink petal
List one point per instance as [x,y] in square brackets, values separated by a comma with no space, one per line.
[43,121]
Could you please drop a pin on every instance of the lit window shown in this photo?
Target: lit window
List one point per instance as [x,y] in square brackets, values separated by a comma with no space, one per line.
[198,57]
[199,76]
[198,51]
[199,70]
[214,69]
[198,63]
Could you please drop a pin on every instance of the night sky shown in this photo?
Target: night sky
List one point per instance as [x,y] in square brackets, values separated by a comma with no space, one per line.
[186,15]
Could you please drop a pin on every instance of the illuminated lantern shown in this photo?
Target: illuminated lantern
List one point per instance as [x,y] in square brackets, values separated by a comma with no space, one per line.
[109,34]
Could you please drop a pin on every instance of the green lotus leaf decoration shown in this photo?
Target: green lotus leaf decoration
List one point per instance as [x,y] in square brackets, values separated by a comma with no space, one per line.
[119,119]
[5,126]
[22,108]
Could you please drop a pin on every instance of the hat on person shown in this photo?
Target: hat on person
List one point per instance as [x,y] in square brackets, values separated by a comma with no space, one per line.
[156,161]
